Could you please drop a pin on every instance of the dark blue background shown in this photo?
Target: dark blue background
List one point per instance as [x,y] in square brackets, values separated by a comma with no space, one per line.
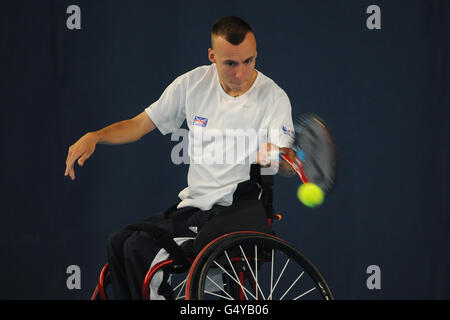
[384,93]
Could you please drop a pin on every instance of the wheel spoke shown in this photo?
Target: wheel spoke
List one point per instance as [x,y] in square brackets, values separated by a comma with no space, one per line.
[256,272]
[271,278]
[221,289]
[253,275]
[217,295]
[237,281]
[289,289]
[182,284]
[305,293]
[276,283]
[235,274]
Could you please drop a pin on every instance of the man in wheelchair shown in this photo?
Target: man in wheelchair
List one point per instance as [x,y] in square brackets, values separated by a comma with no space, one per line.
[227,94]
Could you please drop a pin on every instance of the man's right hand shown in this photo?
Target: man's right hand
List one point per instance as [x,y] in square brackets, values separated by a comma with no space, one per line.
[81,151]
[125,131]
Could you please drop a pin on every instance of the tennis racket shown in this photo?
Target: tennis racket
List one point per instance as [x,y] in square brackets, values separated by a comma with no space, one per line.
[316,152]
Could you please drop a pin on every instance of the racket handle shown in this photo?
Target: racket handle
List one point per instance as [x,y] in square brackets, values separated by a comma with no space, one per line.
[297,165]
[300,154]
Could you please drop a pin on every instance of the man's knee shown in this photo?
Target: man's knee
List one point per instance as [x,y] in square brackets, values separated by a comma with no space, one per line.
[116,240]
[139,244]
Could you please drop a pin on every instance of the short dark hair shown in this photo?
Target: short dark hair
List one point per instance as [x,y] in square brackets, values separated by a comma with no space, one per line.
[232,28]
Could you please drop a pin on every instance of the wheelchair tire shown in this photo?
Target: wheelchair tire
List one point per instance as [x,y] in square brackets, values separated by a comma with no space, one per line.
[221,269]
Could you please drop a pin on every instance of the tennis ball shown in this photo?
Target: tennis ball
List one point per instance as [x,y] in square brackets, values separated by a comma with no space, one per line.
[310,194]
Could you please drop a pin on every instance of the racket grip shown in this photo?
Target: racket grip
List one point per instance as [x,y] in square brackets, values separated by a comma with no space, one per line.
[300,154]
[297,166]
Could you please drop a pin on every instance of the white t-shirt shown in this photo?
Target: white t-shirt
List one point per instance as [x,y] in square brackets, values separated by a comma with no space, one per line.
[217,162]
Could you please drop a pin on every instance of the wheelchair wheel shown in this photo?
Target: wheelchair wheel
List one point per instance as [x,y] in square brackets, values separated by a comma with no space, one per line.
[250,265]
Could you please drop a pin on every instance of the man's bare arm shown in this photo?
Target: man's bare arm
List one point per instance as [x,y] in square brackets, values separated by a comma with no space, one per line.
[118,133]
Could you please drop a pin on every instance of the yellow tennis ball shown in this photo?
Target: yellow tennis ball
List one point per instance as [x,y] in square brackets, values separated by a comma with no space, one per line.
[310,194]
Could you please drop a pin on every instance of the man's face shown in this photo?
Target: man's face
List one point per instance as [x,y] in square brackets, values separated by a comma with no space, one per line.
[235,64]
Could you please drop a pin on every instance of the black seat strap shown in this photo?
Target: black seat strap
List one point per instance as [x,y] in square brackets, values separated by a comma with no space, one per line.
[266,184]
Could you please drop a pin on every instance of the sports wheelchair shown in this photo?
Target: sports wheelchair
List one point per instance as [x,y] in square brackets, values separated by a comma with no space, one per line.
[244,264]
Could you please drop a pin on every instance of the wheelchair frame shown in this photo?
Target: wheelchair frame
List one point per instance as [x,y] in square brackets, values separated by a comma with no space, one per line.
[103,280]
[265,183]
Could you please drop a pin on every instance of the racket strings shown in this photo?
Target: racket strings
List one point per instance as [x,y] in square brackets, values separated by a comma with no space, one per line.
[314,141]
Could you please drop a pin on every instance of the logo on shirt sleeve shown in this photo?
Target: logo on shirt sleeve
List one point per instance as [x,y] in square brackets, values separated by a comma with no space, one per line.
[200,121]
[287,131]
